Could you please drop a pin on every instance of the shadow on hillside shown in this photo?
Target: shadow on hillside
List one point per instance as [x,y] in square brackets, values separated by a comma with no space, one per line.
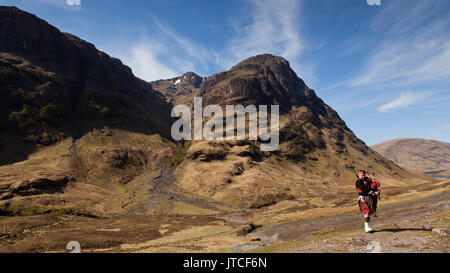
[13,149]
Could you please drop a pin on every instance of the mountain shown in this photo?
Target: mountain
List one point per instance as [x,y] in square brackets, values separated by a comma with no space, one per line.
[317,150]
[417,154]
[55,85]
[76,126]
[179,87]
[80,134]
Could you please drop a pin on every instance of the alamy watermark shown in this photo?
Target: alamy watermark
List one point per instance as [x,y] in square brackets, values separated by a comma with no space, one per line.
[213,129]
[373,2]
[73,2]
[74,246]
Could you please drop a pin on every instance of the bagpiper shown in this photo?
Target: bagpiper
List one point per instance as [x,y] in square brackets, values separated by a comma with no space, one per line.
[363,188]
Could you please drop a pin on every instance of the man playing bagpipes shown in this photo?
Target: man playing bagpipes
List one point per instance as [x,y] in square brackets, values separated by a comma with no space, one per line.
[364,191]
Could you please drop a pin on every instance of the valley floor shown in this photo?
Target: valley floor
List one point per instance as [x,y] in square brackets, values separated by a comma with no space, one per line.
[415,222]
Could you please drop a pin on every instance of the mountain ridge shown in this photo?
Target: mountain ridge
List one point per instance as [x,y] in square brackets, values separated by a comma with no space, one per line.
[420,154]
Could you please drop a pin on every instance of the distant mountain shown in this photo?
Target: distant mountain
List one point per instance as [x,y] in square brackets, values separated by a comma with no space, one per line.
[417,154]
[182,87]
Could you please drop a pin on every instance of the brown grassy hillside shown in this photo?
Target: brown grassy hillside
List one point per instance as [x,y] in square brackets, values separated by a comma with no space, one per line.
[417,154]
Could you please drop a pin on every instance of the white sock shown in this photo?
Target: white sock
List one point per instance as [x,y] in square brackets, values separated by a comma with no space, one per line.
[367,226]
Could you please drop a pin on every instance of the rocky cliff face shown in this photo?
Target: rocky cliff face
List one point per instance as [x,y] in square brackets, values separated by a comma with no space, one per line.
[55,85]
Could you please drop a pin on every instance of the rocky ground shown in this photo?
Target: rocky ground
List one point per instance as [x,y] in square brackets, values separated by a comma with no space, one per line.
[420,225]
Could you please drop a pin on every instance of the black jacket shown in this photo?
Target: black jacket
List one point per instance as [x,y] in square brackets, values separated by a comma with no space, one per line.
[363,186]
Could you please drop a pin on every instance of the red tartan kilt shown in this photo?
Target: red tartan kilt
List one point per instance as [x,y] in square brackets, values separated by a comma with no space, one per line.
[363,207]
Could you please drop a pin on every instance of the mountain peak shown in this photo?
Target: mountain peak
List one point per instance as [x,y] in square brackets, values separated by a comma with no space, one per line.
[23,32]
[269,64]
[11,9]
[261,80]
[264,59]
[192,78]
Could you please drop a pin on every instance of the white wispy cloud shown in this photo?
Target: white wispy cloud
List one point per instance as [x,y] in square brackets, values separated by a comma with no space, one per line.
[411,48]
[270,27]
[184,53]
[404,100]
[408,49]
[163,54]
[145,64]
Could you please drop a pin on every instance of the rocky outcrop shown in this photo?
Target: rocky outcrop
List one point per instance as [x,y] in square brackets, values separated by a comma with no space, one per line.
[179,90]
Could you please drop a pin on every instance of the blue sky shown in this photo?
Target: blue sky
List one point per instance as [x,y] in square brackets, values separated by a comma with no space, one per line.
[385,69]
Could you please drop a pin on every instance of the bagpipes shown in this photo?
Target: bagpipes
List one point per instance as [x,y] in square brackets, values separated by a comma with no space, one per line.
[374,181]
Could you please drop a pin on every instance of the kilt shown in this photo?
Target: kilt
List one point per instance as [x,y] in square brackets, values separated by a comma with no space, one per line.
[363,203]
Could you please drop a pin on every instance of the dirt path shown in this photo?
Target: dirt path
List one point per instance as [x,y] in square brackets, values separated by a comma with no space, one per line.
[163,191]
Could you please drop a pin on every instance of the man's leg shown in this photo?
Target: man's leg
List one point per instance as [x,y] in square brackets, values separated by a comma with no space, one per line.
[367,227]
[370,205]
[374,206]
[364,208]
